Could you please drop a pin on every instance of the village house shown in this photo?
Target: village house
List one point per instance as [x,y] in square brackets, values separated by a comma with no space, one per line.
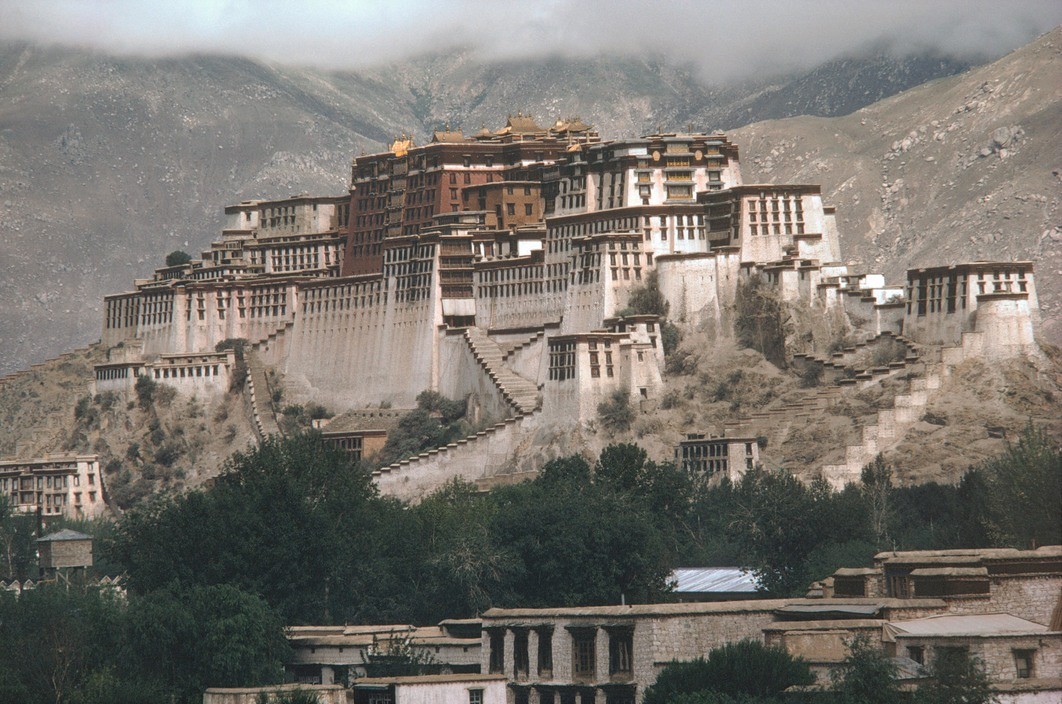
[61,485]
[330,654]
[1011,619]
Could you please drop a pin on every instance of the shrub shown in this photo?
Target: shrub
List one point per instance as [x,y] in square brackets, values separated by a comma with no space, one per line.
[739,669]
[670,400]
[145,388]
[84,412]
[760,320]
[167,454]
[670,336]
[106,400]
[616,412]
[811,376]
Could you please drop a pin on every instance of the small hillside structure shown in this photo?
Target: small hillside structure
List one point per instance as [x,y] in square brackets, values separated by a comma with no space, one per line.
[65,549]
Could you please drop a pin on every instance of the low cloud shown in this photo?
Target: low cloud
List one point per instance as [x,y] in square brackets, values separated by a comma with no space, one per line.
[722,39]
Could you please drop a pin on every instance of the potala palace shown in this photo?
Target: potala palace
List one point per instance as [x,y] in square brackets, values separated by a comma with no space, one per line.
[498,267]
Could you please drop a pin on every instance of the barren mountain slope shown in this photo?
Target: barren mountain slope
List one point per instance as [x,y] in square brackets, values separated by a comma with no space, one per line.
[964,168]
[108,164]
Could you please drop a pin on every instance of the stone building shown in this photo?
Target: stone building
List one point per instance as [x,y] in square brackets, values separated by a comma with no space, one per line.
[329,654]
[323,694]
[610,654]
[62,485]
[1010,648]
[431,689]
[712,456]
[988,307]
[64,549]
[1023,583]
[605,654]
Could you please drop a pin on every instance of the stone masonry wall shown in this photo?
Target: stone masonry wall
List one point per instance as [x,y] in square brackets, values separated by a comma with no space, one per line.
[1032,598]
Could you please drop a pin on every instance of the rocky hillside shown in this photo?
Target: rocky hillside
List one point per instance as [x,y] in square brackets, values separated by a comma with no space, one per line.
[107,164]
[963,168]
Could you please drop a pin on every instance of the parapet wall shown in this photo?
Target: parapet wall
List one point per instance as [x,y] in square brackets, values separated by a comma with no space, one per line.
[490,452]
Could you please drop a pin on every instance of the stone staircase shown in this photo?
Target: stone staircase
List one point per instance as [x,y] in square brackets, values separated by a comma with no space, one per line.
[274,341]
[884,432]
[884,429]
[265,423]
[838,365]
[512,348]
[517,391]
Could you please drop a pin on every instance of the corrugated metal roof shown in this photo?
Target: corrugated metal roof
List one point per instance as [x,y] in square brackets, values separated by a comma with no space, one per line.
[712,579]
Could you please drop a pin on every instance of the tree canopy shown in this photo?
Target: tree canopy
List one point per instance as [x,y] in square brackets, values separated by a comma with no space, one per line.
[177,258]
[742,671]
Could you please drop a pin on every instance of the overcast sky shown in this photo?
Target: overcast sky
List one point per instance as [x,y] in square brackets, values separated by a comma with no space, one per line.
[724,38]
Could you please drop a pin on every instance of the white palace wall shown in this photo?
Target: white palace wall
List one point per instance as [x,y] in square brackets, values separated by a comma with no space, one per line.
[699,288]
[346,349]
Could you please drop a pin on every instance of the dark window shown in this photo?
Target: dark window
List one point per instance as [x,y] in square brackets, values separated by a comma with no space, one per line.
[1023,664]
[620,648]
[545,652]
[583,655]
[497,651]
[917,653]
[520,654]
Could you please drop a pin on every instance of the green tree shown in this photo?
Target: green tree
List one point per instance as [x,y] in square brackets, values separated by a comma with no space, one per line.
[647,299]
[145,388]
[18,543]
[775,521]
[866,676]
[52,638]
[877,491]
[738,670]
[190,639]
[464,565]
[577,542]
[956,678]
[760,319]
[178,258]
[1024,490]
[435,422]
[278,522]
